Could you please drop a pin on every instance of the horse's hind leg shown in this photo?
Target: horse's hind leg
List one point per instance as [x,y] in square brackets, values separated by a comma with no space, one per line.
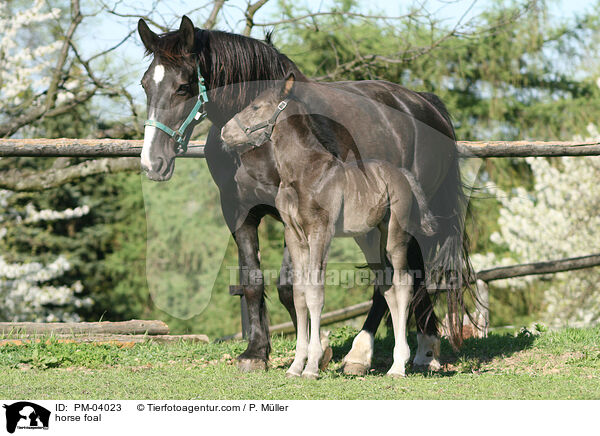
[358,360]
[398,296]
[428,349]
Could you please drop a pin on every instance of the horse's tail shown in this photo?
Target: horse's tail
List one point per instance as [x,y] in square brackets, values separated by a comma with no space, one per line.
[446,252]
[428,223]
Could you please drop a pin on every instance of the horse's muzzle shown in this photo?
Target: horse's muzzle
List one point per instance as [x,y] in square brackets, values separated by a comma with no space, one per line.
[162,172]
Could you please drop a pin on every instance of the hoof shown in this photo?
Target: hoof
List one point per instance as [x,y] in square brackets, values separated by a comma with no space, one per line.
[310,375]
[396,374]
[291,374]
[434,365]
[351,368]
[250,365]
[325,359]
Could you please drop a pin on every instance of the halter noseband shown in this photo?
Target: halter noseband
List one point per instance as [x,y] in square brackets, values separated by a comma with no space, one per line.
[179,135]
[267,125]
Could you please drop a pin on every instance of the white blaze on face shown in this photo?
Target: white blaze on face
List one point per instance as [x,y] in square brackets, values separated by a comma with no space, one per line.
[159,74]
[150,131]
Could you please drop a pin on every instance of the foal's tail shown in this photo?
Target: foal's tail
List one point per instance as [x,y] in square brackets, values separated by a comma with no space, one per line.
[428,223]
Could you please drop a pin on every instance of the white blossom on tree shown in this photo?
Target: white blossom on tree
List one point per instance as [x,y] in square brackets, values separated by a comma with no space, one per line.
[26,292]
[558,219]
[22,67]
[34,215]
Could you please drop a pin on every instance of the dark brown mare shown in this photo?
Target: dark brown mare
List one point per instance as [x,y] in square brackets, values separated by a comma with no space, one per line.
[354,120]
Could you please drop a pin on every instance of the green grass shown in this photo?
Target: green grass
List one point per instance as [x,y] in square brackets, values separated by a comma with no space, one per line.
[554,365]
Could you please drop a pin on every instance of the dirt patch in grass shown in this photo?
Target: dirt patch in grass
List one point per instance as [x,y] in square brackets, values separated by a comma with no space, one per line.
[530,362]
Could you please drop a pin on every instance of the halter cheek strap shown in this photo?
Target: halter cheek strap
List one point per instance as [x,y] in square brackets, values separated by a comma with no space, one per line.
[179,135]
[268,125]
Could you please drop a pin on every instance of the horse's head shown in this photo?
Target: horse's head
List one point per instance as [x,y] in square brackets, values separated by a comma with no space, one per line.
[254,124]
[172,85]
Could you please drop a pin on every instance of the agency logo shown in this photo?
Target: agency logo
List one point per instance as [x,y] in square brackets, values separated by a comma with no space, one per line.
[26,415]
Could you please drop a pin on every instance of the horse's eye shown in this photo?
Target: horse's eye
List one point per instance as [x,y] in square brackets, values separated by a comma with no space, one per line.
[255,107]
[183,89]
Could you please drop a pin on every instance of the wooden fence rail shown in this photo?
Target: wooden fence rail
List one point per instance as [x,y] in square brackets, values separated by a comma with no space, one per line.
[122,333]
[132,148]
[132,327]
[483,276]
[549,267]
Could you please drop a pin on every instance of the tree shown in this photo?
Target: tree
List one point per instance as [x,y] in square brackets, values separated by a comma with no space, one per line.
[32,290]
[557,218]
[41,80]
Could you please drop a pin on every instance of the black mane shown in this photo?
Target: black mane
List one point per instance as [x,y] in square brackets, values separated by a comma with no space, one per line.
[236,67]
[240,66]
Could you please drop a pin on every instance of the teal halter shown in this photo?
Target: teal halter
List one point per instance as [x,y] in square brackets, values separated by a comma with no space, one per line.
[179,134]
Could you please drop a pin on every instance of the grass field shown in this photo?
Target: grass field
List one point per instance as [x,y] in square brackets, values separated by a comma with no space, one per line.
[563,364]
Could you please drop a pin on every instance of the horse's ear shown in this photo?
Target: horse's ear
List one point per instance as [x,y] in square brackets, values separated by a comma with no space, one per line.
[149,38]
[187,33]
[288,85]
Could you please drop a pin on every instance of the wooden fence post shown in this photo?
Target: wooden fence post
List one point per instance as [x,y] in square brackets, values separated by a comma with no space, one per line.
[482,306]
[239,291]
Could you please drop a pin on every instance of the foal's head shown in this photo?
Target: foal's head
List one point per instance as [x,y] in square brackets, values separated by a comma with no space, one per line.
[253,125]
[171,86]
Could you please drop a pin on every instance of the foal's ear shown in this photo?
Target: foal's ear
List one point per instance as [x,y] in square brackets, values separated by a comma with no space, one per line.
[149,38]
[186,28]
[288,85]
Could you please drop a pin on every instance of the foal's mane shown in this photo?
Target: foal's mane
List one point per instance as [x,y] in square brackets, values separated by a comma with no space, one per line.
[239,66]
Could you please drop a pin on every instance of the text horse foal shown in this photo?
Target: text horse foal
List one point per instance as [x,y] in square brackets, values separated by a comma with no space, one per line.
[321,197]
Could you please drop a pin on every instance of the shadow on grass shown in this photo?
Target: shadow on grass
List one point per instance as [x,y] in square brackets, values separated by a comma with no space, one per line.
[472,355]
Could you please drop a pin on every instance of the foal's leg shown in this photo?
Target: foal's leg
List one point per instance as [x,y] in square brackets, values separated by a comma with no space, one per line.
[315,296]
[257,354]
[398,296]
[428,350]
[284,284]
[299,255]
[286,296]
[309,263]
[358,359]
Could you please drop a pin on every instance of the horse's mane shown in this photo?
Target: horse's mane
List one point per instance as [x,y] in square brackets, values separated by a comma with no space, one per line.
[239,66]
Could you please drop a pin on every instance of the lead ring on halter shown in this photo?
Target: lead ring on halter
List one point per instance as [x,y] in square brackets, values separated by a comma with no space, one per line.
[179,135]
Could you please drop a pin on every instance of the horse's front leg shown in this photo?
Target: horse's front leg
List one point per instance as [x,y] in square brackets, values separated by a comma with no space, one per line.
[314,290]
[314,295]
[256,355]
[299,255]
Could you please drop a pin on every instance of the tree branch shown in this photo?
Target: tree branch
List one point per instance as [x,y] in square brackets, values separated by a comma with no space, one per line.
[212,18]
[27,180]
[250,11]
[146,17]
[334,13]
[76,18]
